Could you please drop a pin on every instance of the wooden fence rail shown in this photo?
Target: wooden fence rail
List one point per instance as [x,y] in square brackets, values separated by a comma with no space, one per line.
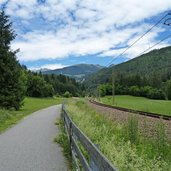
[95,161]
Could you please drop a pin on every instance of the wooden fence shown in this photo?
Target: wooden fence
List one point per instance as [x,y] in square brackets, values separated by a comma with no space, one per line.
[95,160]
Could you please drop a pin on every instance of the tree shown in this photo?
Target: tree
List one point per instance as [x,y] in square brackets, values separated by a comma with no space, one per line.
[12,79]
[38,87]
[101,89]
[168,89]
[62,83]
[155,93]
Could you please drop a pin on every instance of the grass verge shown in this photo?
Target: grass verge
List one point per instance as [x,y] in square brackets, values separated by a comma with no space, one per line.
[120,143]
[11,117]
[62,140]
[140,103]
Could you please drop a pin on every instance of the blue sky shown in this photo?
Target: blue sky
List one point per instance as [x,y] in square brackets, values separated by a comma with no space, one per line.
[57,33]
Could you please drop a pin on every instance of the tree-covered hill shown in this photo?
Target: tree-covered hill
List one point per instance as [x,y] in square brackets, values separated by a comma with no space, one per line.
[156,62]
[76,71]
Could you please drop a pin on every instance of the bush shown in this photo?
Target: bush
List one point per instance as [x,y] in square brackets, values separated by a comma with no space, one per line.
[121,90]
[145,90]
[154,93]
[134,90]
[67,94]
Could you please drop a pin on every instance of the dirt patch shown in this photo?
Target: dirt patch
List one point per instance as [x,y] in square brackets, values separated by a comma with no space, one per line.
[147,125]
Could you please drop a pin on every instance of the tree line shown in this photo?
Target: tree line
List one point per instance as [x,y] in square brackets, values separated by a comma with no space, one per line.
[17,81]
[39,85]
[137,85]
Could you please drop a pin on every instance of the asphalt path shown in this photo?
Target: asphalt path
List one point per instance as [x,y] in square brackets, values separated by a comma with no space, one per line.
[29,145]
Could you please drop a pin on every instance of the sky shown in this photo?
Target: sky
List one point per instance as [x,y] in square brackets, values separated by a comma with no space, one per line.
[57,33]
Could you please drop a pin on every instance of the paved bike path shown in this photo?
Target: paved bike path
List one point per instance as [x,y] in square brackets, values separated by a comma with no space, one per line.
[29,146]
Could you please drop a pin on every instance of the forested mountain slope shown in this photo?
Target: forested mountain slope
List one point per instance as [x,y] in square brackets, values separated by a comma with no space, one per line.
[76,71]
[155,64]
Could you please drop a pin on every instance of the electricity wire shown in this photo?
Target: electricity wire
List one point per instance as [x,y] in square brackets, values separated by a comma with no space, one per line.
[154,45]
[139,38]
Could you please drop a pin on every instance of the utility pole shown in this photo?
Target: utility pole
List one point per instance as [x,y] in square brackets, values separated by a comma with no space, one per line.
[98,94]
[113,87]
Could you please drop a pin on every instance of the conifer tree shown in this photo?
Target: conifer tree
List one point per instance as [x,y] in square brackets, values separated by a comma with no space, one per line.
[12,78]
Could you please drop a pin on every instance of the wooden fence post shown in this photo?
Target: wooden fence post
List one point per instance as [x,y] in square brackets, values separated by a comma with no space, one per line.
[92,164]
[70,137]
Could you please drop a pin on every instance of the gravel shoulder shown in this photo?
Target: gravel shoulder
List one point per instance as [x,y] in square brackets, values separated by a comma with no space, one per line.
[29,146]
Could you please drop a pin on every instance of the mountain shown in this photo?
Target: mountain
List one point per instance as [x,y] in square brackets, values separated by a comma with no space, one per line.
[76,71]
[156,64]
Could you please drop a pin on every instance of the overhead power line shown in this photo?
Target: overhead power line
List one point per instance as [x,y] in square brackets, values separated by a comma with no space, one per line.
[155,45]
[139,38]
[168,22]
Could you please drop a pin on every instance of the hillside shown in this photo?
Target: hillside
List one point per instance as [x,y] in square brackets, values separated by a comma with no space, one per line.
[76,71]
[156,63]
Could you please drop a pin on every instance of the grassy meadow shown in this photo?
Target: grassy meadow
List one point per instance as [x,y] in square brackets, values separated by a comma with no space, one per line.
[122,143]
[140,103]
[10,117]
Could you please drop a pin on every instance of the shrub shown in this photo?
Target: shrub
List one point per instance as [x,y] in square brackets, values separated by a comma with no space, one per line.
[154,93]
[67,94]
[134,90]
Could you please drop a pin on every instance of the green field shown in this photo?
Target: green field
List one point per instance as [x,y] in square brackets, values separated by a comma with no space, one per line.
[140,103]
[10,117]
[126,148]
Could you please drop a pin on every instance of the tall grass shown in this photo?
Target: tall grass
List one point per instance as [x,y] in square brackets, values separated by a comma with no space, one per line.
[62,140]
[161,140]
[132,130]
[122,144]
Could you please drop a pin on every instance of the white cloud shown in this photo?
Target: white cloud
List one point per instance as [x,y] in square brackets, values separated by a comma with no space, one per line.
[87,27]
[132,53]
[21,8]
[138,49]
[2,1]
[48,66]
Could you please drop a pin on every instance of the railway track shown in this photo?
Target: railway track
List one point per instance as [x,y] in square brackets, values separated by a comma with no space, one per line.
[154,115]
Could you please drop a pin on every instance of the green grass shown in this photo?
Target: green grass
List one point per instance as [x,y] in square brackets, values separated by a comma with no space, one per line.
[10,117]
[62,140]
[140,103]
[126,149]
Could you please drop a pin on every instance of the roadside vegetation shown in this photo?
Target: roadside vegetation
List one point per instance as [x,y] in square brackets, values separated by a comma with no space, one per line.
[140,103]
[11,117]
[62,140]
[123,144]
